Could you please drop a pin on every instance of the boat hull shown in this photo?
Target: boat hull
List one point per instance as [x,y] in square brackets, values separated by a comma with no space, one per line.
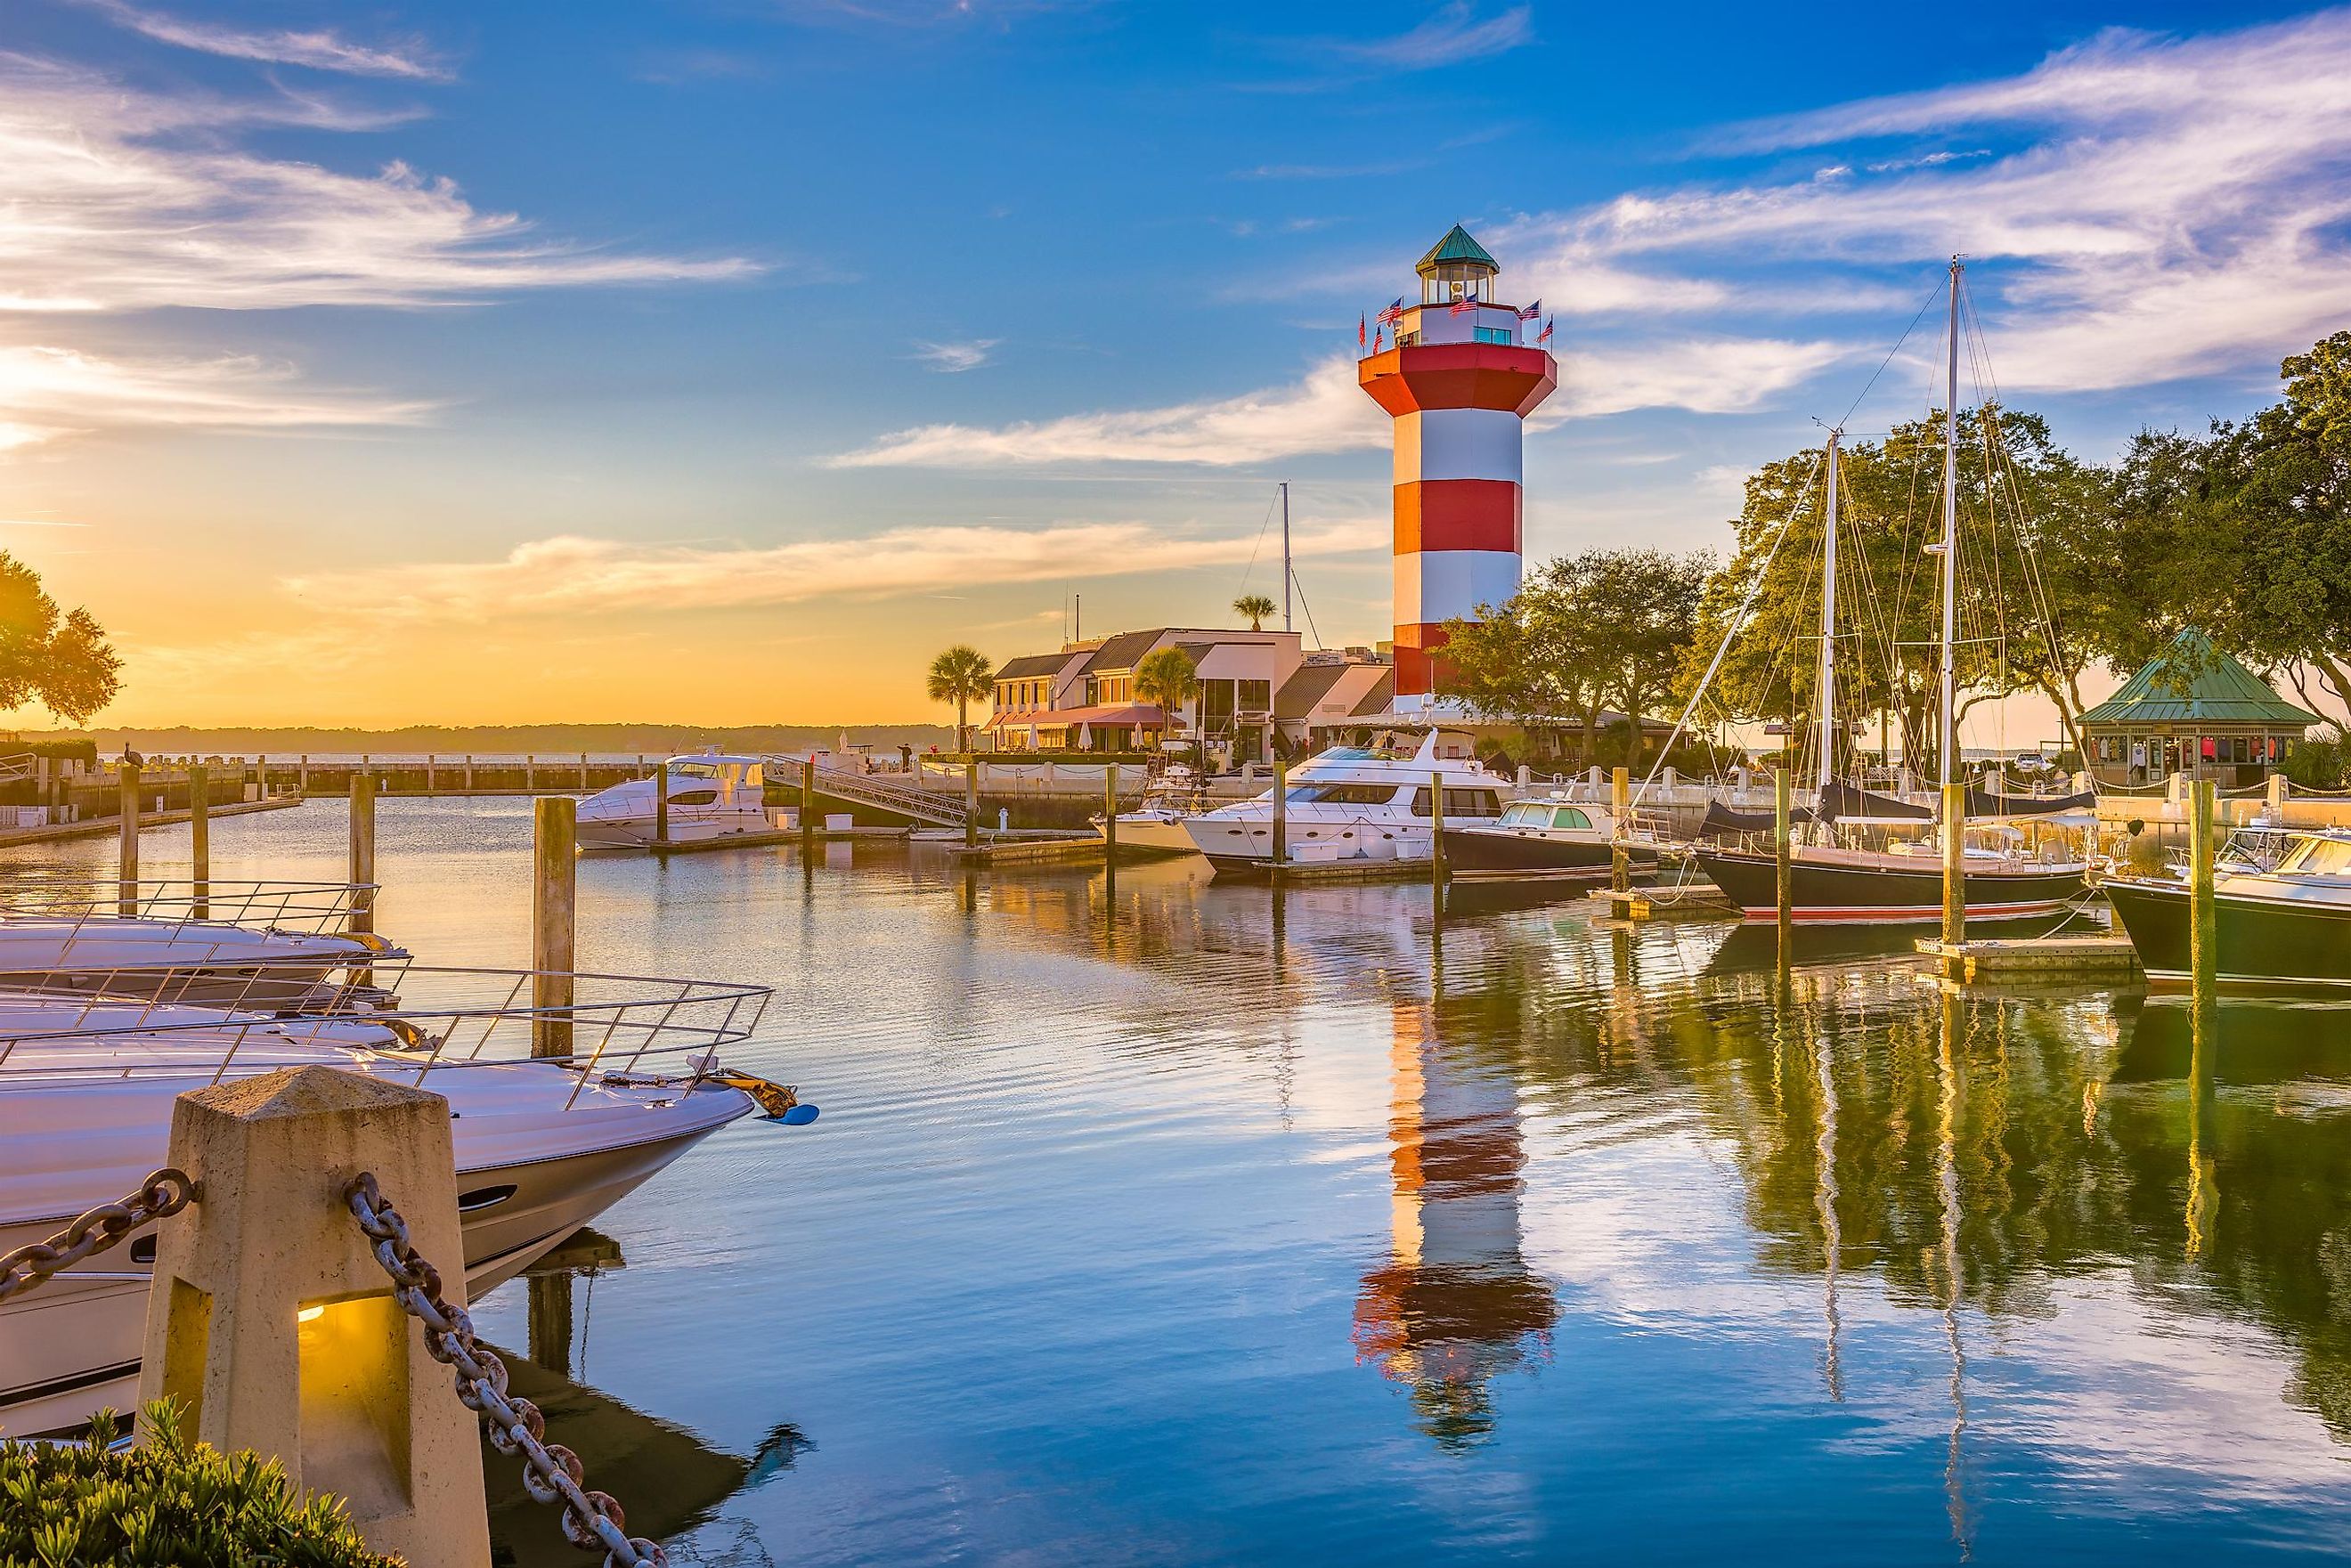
[1858,893]
[1154,835]
[1500,852]
[2264,943]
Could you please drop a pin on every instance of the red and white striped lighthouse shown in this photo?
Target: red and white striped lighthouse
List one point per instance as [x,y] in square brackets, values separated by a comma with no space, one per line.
[1459,385]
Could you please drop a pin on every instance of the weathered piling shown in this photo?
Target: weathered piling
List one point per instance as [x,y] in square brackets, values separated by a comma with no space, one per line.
[1955,861]
[807,806]
[661,808]
[200,837]
[127,892]
[1436,831]
[1109,814]
[554,907]
[1620,806]
[273,1324]
[1783,850]
[362,853]
[2204,930]
[971,803]
[1280,820]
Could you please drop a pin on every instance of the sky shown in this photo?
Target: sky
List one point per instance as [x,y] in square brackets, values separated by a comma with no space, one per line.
[723,361]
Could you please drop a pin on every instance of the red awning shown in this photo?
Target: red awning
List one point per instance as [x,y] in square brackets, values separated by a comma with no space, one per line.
[1136,715]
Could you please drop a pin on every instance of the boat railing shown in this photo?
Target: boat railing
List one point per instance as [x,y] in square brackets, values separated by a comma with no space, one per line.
[597,1028]
[305,909]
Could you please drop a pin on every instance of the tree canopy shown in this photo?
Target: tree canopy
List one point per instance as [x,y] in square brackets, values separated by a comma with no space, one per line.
[961,676]
[58,658]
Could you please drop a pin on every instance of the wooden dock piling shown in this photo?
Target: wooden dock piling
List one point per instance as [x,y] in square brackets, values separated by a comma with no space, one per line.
[661,808]
[807,806]
[1783,851]
[970,802]
[200,837]
[127,893]
[1280,822]
[1955,855]
[2204,930]
[1436,832]
[1110,815]
[554,909]
[1620,805]
[362,853]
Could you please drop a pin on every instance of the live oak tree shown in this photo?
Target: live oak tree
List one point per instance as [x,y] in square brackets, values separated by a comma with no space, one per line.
[58,658]
[1584,633]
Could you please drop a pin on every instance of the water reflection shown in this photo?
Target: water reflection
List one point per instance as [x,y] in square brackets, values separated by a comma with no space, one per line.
[1456,1304]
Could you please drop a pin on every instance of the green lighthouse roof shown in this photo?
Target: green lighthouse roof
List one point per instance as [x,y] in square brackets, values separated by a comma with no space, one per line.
[2193,680]
[1457,245]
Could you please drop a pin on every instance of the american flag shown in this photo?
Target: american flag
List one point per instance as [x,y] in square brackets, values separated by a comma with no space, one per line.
[1543,336]
[1531,311]
[1392,315]
[1379,338]
[1467,302]
[1360,333]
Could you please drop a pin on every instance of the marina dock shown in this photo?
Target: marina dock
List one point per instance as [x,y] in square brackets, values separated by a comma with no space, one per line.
[2032,955]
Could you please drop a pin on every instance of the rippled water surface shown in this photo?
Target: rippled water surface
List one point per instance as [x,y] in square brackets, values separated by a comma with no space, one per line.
[1165,1227]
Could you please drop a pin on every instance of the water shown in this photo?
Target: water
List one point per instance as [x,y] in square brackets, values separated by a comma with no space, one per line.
[1165,1231]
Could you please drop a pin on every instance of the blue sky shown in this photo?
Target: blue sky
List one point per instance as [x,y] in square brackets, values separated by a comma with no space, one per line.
[405,361]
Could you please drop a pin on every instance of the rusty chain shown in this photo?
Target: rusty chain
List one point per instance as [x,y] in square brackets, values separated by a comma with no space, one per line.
[551,1472]
[163,1193]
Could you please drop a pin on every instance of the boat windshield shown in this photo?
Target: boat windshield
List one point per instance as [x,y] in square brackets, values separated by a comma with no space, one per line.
[2319,857]
[1341,794]
[692,770]
[1526,814]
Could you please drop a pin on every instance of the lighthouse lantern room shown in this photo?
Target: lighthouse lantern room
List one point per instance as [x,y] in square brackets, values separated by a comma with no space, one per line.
[1458,382]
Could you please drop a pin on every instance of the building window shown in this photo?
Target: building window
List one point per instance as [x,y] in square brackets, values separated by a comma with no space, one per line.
[1406,340]
[1256,697]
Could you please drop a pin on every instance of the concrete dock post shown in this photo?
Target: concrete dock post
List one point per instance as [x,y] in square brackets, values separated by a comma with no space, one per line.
[362,853]
[661,808]
[200,837]
[554,909]
[127,892]
[1954,862]
[1436,831]
[1280,819]
[2277,792]
[970,802]
[2204,930]
[1620,806]
[1783,850]
[272,1324]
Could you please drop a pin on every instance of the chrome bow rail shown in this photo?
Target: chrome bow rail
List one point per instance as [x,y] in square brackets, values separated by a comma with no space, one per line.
[305,909]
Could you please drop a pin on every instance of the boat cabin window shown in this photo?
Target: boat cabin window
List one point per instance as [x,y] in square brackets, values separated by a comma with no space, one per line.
[694,797]
[2319,857]
[1569,817]
[692,770]
[1460,802]
[1523,815]
[1342,794]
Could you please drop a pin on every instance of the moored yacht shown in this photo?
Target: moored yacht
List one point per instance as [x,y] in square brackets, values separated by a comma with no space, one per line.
[1552,837]
[1351,803]
[542,1146]
[2287,927]
[1156,823]
[710,797]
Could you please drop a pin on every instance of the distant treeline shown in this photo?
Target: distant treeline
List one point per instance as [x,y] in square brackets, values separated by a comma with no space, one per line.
[544,739]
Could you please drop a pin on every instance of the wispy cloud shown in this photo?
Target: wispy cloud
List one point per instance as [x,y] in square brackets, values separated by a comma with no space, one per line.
[570,575]
[318,49]
[1458,32]
[47,392]
[953,359]
[2148,207]
[1325,412]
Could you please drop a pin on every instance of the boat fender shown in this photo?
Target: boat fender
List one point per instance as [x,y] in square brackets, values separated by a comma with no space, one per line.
[798,1116]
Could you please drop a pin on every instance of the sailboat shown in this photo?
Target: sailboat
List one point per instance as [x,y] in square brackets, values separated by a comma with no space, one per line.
[1904,882]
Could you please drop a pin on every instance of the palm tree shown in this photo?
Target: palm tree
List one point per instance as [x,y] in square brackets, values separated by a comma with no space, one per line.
[1257,607]
[959,675]
[1166,679]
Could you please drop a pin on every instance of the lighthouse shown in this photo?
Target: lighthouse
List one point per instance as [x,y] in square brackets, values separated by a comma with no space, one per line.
[1460,384]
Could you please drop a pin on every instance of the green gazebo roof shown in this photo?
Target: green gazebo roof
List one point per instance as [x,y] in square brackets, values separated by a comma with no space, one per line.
[1457,245]
[2220,690]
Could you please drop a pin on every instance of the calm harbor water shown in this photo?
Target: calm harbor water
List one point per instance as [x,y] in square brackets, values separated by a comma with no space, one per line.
[1156,1229]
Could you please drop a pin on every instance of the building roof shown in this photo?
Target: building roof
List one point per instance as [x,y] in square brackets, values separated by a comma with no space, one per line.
[1306,687]
[1121,651]
[1032,664]
[1457,245]
[2218,691]
[1196,651]
[1382,693]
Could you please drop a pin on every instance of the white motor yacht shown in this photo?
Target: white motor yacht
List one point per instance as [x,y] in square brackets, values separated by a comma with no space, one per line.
[230,942]
[542,1146]
[710,797]
[1351,803]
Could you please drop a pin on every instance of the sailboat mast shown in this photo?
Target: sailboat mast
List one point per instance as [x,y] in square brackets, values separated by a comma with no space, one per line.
[1949,746]
[1285,555]
[1827,681]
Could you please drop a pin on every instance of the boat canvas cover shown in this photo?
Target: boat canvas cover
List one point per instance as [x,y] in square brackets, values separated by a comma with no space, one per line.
[1984,803]
[1722,823]
[1842,802]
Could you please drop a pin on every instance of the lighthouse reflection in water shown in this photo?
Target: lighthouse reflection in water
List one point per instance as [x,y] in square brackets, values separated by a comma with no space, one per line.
[1454,1305]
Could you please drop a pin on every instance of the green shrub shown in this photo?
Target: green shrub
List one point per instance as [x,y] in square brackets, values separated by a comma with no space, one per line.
[169,1503]
[2320,762]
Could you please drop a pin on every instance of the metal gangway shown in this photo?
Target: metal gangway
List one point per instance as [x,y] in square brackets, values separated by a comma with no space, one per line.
[917,804]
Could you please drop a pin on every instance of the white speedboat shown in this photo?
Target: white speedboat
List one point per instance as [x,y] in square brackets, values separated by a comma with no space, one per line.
[1351,803]
[1158,823]
[228,942]
[86,1095]
[710,797]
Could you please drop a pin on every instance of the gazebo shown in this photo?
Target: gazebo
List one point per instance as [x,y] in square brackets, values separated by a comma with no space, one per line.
[2195,710]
